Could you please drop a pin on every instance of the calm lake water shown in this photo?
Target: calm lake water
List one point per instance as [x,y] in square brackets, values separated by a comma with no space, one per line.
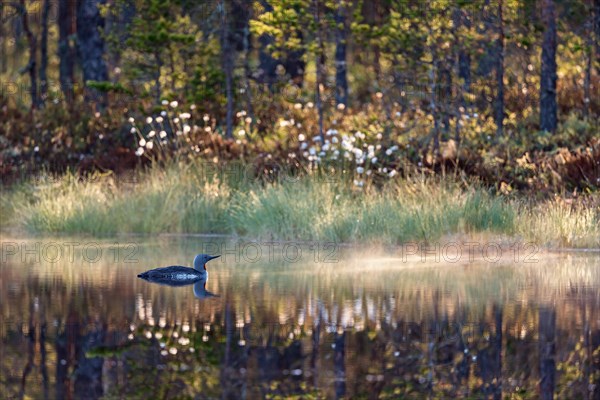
[295,321]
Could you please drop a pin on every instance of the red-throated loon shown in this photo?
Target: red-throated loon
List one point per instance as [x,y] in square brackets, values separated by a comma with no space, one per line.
[180,274]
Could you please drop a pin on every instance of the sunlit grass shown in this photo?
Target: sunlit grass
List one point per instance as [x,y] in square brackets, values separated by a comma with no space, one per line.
[186,199]
[313,209]
[557,224]
[162,200]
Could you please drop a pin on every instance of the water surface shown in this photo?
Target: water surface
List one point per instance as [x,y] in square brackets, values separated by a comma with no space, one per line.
[368,324]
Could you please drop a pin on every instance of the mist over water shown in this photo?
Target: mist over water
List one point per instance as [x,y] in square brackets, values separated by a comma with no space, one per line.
[292,319]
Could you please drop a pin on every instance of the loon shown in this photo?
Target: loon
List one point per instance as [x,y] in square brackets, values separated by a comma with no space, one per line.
[178,274]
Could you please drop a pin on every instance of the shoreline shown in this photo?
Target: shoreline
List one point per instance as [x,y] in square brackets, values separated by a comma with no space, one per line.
[503,243]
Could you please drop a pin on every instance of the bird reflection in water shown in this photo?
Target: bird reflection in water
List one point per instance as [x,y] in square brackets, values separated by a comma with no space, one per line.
[200,291]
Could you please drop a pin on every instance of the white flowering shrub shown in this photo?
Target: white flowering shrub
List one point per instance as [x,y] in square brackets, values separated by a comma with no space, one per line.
[170,131]
[363,156]
[368,146]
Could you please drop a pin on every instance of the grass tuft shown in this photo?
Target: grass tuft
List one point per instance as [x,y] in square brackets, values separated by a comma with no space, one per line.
[186,199]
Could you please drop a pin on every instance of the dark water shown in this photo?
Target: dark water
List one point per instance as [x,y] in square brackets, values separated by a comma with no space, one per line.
[76,322]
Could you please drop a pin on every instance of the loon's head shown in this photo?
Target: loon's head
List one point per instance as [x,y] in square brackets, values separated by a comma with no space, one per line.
[200,261]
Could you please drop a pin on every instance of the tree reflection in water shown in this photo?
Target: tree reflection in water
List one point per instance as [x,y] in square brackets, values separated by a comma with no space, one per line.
[447,331]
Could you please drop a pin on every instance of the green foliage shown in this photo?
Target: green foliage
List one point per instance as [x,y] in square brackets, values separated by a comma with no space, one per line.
[108,87]
[287,23]
[158,44]
[206,82]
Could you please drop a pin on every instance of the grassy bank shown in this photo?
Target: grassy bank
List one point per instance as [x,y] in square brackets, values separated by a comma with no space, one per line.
[186,199]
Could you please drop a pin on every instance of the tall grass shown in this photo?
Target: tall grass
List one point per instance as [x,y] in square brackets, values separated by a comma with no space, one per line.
[400,212]
[185,199]
[162,200]
[557,223]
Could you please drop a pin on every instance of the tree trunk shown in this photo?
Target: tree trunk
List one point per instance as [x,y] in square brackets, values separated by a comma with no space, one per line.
[339,365]
[464,67]
[548,111]
[3,41]
[497,350]
[319,60]
[87,375]
[44,53]
[314,355]
[117,24]
[489,358]
[373,18]
[434,107]
[227,65]
[597,35]
[267,69]
[547,328]
[589,59]
[158,68]
[247,48]
[464,63]
[445,92]
[43,360]
[226,365]
[63,361]
[241,41]
[91,48]
[173,79]
[486,62]
[66,53]
[31,334]
[32,64]
[341,67]
[499,103]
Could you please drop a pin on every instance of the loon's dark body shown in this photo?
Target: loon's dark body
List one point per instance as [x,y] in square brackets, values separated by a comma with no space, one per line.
[174,276]
[176,273]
